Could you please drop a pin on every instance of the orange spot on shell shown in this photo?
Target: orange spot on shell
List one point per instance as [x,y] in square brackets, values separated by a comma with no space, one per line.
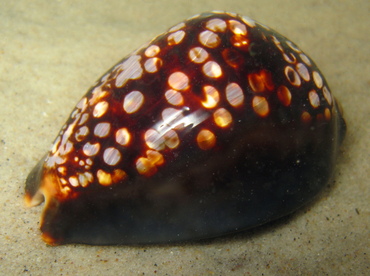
[155,157]
[237,28]
[261,81]
[232,57]
[206,139]
[306,117]
[118,175]
[284,95]
[327,114]
[260,106]
[152,51]
[100,109]
[145,167]
[107,179]
[240,42]
[211,95]
[104,178]
[148,165]
[222,117]
[292,76]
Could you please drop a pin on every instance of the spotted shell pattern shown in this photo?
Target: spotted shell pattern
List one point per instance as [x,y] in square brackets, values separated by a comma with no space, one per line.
[217,125]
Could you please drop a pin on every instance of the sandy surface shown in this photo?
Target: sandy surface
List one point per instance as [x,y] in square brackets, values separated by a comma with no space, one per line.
[52,51]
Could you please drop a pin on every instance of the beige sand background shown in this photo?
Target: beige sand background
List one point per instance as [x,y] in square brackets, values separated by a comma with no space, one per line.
[52,51]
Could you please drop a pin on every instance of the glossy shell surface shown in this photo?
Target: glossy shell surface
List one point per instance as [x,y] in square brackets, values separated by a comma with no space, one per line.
[219,124]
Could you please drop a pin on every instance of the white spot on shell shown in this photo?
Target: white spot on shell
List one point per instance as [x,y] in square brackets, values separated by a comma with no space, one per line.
[232,14]
[327,95]
[75,114]
[289,57]
[123,137]
[82,104]
[85,178]
[133,101]
[65,148]
[54,159]
[83,118]
[102,129]
[212,69]
[234,94]
[303,71]
[152,51]
[154,140]
[293,47]
[237,28]
[209,39]
[81,133]
[131,70]
[111,156]
[176,38]
[73,181]
[317,79]
[100,109]
[177,27]
[249,21]
[193,16]
[97,95]
[62,170]
[216,25]
[314,99]
[91,149]
[277,43]
[152,65]
[305,59]
[198,55]
[173,97]
[178,81]
[55,145]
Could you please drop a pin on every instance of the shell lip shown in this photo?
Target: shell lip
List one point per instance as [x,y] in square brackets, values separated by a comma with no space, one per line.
[33,193]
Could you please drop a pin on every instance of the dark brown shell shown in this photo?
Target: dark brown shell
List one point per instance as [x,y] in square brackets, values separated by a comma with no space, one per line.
[217,125]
